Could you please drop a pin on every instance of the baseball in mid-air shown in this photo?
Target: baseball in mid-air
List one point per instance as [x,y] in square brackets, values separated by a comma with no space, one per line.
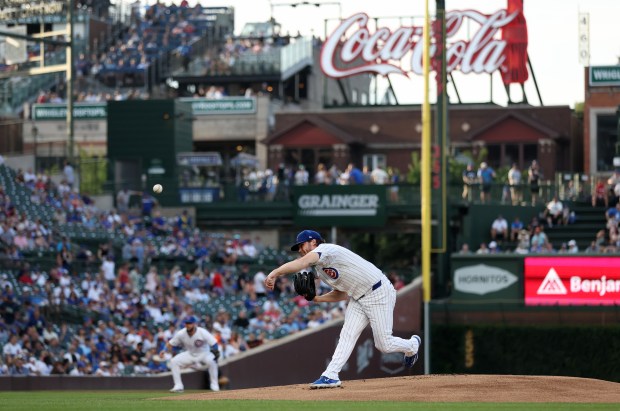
[157,188]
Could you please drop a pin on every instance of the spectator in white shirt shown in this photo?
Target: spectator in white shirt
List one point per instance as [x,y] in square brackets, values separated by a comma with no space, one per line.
[29,177]
[259,284]
[69,173]
[572,247]
[13,347]
[554,211]
[499,228]
[514,179]
[379,176]
[301,176]
[108,268]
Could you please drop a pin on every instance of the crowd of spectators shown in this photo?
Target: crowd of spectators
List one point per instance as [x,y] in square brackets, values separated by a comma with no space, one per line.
[484,178]
[127,305]
[151,34]
[531,238]
[267,185]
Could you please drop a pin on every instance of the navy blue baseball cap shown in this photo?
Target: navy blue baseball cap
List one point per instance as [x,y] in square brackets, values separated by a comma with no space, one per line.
[190,320]
[304,236]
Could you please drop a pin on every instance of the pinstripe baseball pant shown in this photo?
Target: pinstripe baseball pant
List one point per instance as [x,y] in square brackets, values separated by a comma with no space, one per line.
[376,308]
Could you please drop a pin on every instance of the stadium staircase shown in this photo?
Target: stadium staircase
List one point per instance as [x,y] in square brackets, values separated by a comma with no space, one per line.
[588,221]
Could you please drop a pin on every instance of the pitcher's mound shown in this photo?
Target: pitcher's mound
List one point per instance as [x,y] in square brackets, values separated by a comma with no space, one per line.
[440,388]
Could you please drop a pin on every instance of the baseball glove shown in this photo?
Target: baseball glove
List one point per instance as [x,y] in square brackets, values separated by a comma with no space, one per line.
[304,285]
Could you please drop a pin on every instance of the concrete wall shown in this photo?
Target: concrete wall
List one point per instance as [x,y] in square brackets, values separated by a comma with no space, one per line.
[22,161]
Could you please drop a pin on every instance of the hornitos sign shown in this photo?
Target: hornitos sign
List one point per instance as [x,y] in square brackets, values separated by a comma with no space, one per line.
[482,279]
[572,280]
[59,111]
[605,76]
[341,206]
[498,42]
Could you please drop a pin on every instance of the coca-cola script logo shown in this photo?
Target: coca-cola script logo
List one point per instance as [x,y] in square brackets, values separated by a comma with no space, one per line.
[332,272]
[383,51]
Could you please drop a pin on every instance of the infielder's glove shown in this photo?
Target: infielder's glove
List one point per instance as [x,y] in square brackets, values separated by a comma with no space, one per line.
[304,285]
[215,351]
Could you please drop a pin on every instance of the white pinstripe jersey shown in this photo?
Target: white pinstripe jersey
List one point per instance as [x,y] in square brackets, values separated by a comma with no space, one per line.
[346,271]
[201,341]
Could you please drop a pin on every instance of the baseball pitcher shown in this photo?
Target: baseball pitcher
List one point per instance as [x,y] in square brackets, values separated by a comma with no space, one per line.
[370,293]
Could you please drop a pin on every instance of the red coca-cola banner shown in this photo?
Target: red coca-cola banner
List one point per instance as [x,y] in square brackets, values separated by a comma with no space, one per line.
[353,48]
[572,280]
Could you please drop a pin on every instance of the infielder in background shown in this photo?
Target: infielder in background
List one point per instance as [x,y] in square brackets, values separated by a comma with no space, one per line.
[371,300]
[202,353]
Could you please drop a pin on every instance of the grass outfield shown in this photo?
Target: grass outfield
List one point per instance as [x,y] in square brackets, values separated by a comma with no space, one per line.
[147,401]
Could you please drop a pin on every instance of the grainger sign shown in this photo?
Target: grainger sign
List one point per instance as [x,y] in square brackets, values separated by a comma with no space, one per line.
[500,43]
[572,280]
[350,206]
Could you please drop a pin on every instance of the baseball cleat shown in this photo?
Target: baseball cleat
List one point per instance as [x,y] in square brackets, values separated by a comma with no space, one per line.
[214,387]
[411,359]
[325,382]
[177,389]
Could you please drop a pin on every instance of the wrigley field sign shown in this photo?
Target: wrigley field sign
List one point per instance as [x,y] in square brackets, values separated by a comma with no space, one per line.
[59,111]
[605,76]
[343,206]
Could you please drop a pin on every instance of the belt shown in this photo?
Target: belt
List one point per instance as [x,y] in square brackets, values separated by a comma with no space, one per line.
[374,287]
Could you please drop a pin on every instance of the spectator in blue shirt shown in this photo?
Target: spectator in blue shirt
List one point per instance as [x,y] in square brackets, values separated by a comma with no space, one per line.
[355,174]
[148,203]
[515,227]
[486,175]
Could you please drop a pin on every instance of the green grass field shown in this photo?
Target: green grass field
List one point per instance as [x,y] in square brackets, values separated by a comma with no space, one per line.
[147,401]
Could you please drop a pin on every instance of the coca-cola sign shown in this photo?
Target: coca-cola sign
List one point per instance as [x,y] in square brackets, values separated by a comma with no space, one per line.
[353,48]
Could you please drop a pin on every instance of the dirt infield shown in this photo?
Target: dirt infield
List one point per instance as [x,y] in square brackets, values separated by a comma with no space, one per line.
[437,388]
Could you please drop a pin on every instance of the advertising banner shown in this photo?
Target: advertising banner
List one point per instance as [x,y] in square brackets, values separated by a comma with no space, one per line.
[605,76]
[88,111]
[477,42]
[200,107]
[199,195]
[572,280]
[225,105]
[342,206]
[483,278]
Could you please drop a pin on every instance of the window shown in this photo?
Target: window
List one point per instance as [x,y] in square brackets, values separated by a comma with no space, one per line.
[530,153]
[372,161]
[511,155]
[606,139]
[494,155]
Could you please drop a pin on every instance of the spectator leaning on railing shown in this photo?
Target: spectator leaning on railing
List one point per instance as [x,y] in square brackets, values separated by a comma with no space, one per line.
[514,179]
[486,176]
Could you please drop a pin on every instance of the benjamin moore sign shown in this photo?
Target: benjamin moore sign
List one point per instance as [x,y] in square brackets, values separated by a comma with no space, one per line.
[344,206]
[605,76]
[59,111]
[572,280]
